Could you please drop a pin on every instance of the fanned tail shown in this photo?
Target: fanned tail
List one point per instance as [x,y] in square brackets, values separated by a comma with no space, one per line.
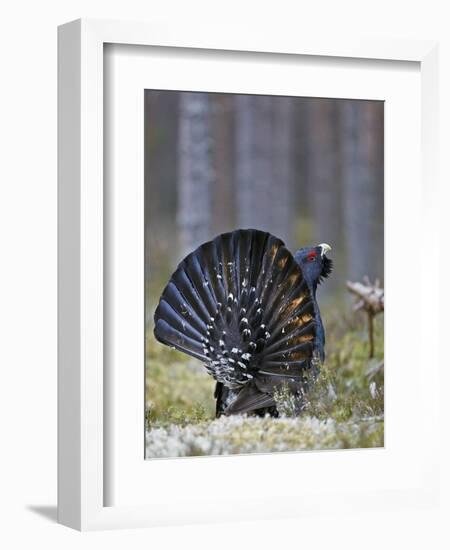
[241,305]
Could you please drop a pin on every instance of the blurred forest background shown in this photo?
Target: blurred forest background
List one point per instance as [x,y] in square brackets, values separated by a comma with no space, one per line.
[308,170]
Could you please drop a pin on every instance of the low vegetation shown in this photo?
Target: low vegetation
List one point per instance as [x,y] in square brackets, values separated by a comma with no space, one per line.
[345,408]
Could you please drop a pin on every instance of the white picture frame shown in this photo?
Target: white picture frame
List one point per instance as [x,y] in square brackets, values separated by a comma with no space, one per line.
[83,397]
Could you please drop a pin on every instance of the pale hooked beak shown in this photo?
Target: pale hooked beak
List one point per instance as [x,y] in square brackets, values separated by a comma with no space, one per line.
[325,248]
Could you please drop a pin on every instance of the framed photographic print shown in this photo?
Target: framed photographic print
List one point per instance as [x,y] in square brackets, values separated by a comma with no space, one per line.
[241,304]
[231,216]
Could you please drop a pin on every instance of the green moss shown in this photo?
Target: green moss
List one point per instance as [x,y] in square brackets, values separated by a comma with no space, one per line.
[348,394]
[350,384]
[178,389]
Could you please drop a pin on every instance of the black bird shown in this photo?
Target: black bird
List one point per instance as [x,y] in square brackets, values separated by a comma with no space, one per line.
[246,307]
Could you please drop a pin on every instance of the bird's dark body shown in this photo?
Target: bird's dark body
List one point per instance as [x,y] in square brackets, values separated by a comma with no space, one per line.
[246,307]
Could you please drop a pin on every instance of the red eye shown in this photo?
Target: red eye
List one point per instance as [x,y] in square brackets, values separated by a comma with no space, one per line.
[311,256]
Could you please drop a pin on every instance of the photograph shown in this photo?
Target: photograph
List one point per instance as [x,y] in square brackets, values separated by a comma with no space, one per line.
[205,205]
[264,273]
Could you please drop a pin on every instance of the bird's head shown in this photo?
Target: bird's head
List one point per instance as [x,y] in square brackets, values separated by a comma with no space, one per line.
[314,263]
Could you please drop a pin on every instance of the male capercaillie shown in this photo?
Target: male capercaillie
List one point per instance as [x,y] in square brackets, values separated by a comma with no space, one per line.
[246,307]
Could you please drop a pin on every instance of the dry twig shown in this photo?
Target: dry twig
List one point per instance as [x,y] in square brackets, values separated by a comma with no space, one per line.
[370,298]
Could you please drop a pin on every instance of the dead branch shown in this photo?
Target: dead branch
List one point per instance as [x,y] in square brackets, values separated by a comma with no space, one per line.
[370,298]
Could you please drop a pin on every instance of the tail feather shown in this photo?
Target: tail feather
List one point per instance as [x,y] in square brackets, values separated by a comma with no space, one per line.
[178,322]
[300,352]
[241,305]
[290,370]
[184,302]
[250,399]
[169,335]
[283,341]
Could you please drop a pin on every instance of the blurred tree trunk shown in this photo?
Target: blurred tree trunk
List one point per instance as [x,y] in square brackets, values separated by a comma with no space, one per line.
[263,163]
[151,143]
[195,171]
[281,188]
[362,183]
[160,174]
[223,211]
[302,225]
[300,184]
[253,159]
[323,174]
[378,227]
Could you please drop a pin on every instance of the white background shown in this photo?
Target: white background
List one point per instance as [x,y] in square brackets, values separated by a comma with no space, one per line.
[28,273]
[131,480]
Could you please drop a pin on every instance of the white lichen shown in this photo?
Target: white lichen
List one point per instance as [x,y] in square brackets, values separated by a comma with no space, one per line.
[242,434]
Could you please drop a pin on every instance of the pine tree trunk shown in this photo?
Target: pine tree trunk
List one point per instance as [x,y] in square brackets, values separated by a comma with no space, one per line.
[378,226]
[253,159]
[195,171]
[323,173]
[360,127]
[263,163]
[223,211]
[300,164]
[281,190]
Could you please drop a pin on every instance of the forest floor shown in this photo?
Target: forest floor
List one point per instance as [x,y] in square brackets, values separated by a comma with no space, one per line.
[345,409]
